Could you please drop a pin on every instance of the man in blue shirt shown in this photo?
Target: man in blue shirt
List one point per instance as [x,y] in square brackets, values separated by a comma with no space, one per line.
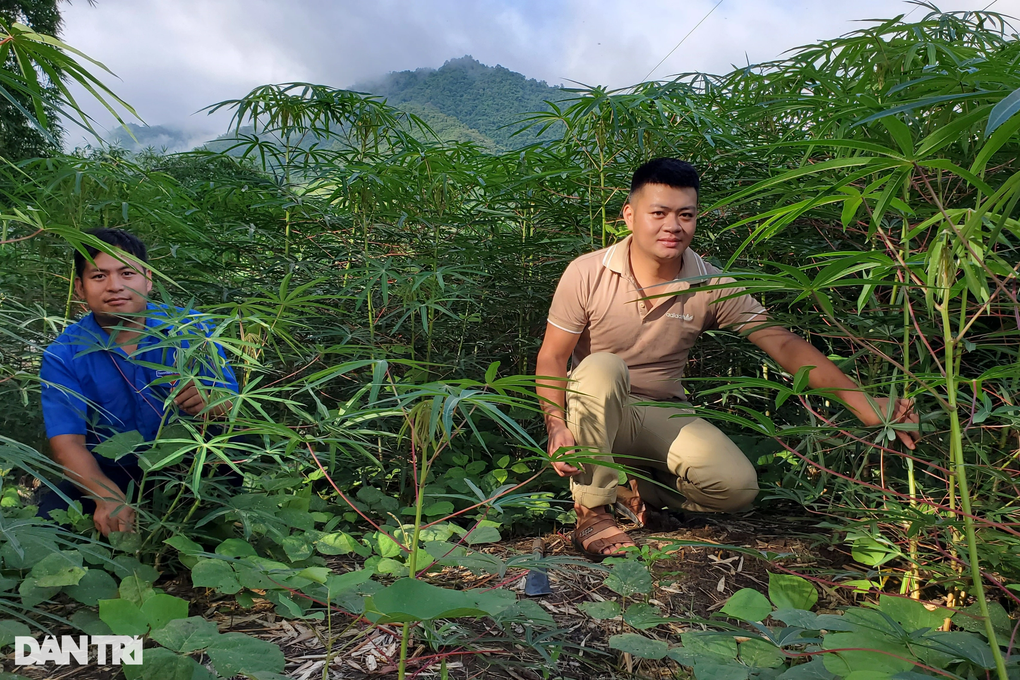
[114,371]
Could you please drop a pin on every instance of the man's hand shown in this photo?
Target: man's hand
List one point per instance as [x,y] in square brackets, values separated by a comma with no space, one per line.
[560,438]
[191,402]
[113,515]
[903,412]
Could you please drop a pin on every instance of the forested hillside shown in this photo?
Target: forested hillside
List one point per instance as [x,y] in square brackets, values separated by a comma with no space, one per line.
[489,99]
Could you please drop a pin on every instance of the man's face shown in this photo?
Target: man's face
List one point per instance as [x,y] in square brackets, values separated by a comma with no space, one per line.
[112,287]
[662,220]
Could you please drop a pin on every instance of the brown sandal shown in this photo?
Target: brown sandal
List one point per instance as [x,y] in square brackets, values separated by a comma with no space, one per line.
[630,505]
[589,528]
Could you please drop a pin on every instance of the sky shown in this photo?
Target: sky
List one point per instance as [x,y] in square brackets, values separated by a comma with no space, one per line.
[171,58]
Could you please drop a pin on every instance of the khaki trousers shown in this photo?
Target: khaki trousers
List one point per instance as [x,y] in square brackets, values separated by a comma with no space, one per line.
[696,466]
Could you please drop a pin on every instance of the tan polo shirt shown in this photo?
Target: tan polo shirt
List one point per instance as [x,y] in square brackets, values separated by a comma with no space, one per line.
[599,299]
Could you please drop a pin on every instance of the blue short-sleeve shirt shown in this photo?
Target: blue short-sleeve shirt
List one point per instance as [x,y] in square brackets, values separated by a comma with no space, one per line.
[92,387]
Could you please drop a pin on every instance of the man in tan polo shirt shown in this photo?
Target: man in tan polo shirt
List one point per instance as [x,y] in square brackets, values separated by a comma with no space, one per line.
[628,346]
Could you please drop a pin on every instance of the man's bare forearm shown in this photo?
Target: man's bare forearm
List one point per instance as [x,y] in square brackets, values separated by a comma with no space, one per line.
[552,392]
[83,470]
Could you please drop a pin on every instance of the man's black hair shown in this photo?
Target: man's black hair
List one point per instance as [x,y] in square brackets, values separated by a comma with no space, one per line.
[129,243]
[671,172]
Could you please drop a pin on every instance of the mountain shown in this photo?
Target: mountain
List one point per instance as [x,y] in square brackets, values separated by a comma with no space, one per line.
[488,99]
[463,100]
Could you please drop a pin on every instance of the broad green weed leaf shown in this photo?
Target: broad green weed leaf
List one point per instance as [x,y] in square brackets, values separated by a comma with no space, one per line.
[812,670]
[639,645]
[483,534]
[609,609]
[628,578]
[438,509]
[341,544]
[720,671]
[235,547]
[297,547]
[162,664]
[911,614]
[747,604]
[388,565]
[58,569]
[216,574]
[337,584]
[385,546]
[317,574]
[235,653]
[184,545]
[123,617]
[791,592]
[717,646]
[643,616]
[32,594]
[414,600]
[10,630]
[958,645]
[797,618]
[135,589]
[758,653]
[94,586]
[125,541]
[161,609]
[883,658]
[186,635]
[89,622]
[970,620]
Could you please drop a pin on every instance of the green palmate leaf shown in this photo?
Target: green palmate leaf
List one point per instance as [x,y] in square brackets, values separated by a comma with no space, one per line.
[639,646]
[235,653]
[747,604]
[607,609]
[1003,111]
[643,616]
[136,589]
[10,630]
[123,617]
[186,635]
[414,600]
[911,614]
[161,609]
[791,592]
[119,445]
[216,574]
[94,586]
[629,578]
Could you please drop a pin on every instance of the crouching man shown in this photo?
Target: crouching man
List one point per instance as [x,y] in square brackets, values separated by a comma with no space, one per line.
[114,372]
[628,347]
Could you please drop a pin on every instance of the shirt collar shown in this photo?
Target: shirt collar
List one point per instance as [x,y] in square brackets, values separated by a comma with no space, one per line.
[693,272]
[89,323]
